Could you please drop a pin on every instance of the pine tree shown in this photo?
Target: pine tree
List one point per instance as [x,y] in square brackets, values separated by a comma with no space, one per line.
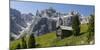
[91,28]
[23,44]
[18,46]
[76,24]
[91,23]
[31,41]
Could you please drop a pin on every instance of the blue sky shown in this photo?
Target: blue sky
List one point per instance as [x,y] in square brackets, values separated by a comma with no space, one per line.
[32,7]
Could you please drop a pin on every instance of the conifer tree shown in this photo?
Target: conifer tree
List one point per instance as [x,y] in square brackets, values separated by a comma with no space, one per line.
[23,43]
[91,28]
[31,41]
[76,24]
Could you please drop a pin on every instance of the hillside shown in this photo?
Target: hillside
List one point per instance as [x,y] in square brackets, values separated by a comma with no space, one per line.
[50,39]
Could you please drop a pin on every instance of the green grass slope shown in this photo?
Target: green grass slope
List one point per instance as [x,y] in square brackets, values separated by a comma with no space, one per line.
[50,39]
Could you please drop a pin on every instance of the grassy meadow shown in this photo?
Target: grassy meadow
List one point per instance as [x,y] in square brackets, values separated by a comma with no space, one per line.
[50,39]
